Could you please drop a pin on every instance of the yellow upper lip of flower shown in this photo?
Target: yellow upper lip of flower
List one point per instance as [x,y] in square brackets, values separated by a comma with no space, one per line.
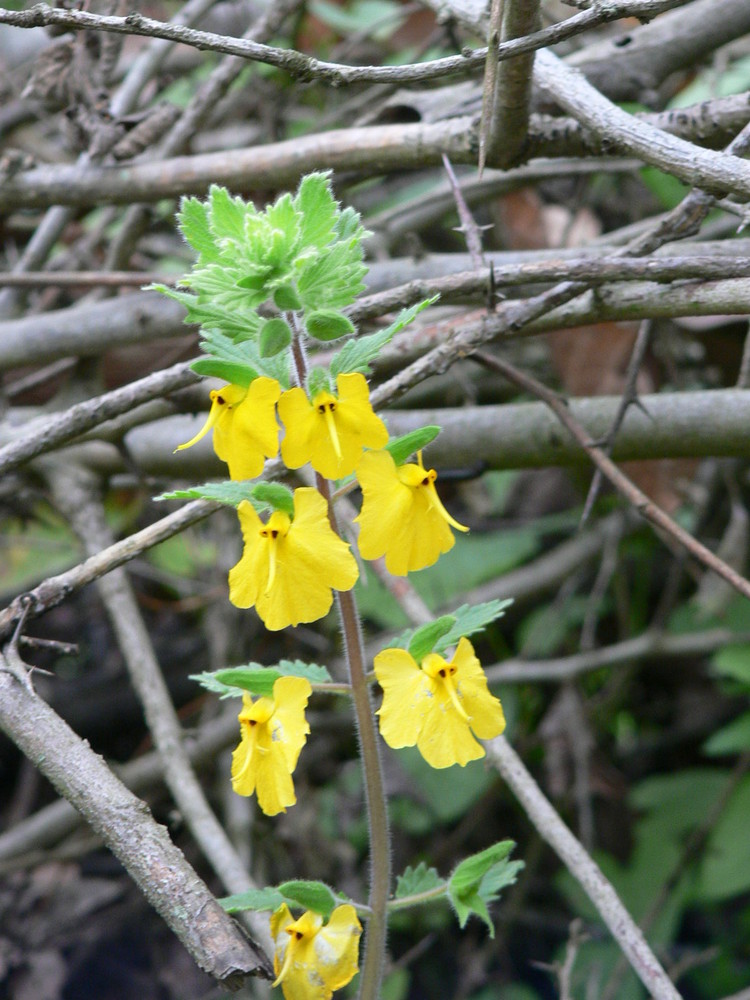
[326,403]
[443,673]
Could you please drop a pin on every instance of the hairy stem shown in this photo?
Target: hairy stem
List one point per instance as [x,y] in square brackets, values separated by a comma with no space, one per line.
[371,972]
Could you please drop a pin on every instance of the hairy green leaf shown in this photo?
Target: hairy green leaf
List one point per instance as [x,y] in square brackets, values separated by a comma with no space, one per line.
[356,354]
[476,882]
[315,896]
[227,215]
[333,278]
[231,371]
[193,221]
[275,495]
[285,297]
[402,447]
[275,336]
[230,493]
[424,639]
[257,678]
[417,880]
[328,324]
[234,681]
[319,210]
[470,619]
[253,899]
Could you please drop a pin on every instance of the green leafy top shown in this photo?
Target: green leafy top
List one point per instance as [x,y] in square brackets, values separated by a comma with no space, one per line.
[357,353]
[303,252]
[416,881]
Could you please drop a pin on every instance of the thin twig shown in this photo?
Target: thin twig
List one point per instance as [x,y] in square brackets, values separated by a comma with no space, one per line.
[55,589]
[50,432]
[469,228]
[690,851]
[714,172]
[628,399]
[52,823]
[82,279]
[57,217]
[646,507]
[651,644]
[306,68]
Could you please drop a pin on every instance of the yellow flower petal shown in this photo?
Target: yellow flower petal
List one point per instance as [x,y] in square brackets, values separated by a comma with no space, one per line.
[300,424]
[312,960]
[330,431]
[399,518]
[291,695]
[249,434]
[446,740]
[248,578]
[309,560]
[406,694]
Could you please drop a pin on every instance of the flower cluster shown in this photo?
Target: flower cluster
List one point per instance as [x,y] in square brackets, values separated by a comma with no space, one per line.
[304,254]
[292,563]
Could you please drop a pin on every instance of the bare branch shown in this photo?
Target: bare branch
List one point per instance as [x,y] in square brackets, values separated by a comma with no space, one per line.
[75,493]
[126,826]
[714,172]
[508,110]
[55,589]
[583,868]
[53,431]
[646,507]
[653,643]
[306,68]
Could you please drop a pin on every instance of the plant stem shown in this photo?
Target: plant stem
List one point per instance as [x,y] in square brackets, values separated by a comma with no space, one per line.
[377,813]
[371,972]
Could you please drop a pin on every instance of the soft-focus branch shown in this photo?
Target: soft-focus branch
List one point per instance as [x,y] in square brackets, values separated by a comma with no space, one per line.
[505,436]
[144,316]
[52,823]
[583,868]
[50,431]
[53,591]
[508,107]
[644,646]
[702,168]
[76,495]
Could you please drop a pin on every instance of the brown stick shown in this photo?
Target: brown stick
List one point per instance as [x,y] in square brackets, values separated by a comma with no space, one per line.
[126,826]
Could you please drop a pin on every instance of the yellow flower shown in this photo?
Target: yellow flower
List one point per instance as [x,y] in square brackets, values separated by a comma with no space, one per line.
[244,426]
[273,732]
[402,516]
[331,431]
[312,960]
[289,565]
[437,706]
